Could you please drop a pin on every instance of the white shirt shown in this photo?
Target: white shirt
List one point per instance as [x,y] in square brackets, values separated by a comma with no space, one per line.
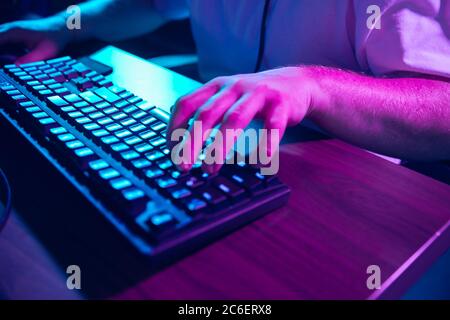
[414,34]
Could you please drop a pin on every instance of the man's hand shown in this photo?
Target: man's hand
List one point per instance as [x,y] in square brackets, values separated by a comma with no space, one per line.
[407,118]
[44,38]
[279,97]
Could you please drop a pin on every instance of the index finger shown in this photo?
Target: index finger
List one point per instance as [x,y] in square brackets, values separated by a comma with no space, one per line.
[186,106]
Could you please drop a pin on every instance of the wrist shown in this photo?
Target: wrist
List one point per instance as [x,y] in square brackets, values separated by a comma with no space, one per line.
[318,78]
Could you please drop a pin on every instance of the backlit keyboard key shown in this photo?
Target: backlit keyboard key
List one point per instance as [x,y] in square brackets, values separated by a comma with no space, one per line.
[123,133]
[157,142]
[90,97]
[166,182]
[109,173]
[120,183]
[147,134]
[141,163]
[119,147]
[143,147]
[180,193]
[154,155]
[98,165]
[74,144]
[153,173]
[194,205]
[129,155]
[133,140]
[66,137]
[161,222]
[148,120]
[107,95]
[110,140]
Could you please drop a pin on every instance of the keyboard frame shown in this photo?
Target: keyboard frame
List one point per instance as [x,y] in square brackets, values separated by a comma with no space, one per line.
[191,238]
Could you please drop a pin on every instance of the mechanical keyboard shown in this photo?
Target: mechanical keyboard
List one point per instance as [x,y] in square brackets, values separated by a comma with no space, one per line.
[111,145]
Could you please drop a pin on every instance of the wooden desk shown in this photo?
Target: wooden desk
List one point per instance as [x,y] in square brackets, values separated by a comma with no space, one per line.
[349,209]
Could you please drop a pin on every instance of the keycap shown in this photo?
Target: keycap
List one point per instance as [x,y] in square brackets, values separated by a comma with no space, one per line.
[154,155]
[161,222]
[45,92]
[194,205]
[123,133]
[179,193]
[130,109]
[166,182]
[109,140]
[227,187]
[73,98]
[118,147]
[243,176]
[122,104]
[57,101]
[90,97]
[137,127]
[58,60]
[81,68]
[66,137]
[165,164]
[157,142]
[148,120]
[154,173]
[194,182]
[143,147]
[32,64]
[119,115]
[129,155]
[120,183]
[132,140]
[109,173]
[116,89]
[75,144]
[141,163]
[147,134]
[158,126]
[113,127]
[58,76]
[211,195]
[107,95]
[162,115]
[98,164]
[135,99]
[83,156]
[134,200]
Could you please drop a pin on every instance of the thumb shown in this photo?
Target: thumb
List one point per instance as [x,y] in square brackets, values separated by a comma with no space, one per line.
[44,50]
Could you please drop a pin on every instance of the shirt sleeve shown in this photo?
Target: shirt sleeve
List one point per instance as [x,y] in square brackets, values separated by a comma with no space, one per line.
[172,9]
[414,37]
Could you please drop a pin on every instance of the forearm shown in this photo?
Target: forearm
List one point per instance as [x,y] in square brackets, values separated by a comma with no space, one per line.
[113,20]
[408,118]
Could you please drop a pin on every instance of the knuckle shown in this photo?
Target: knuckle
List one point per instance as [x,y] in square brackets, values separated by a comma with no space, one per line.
[234,117]
[262,88]
[238,84]
[204,115]
[220,79]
